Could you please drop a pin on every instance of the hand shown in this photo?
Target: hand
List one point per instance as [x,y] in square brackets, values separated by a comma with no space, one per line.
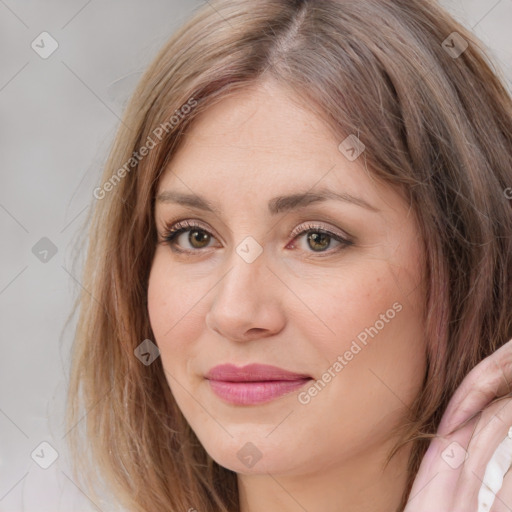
[453,468]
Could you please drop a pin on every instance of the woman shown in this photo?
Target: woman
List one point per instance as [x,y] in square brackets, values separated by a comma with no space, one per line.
[344,164]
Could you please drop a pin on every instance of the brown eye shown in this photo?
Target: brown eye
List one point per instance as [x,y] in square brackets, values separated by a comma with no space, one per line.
[198,238]
[318,241]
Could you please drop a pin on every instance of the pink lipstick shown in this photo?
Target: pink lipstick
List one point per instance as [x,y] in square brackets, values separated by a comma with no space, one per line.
[254,383]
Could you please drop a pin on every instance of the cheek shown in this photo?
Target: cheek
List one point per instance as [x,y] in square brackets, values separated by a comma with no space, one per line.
[372,317]
[174,307]
[347,301]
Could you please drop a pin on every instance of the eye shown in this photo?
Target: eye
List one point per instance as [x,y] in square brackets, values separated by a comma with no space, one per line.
[198,236]
[318,239]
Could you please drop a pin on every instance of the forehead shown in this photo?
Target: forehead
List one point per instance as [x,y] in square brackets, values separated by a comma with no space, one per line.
[262,134]
[268,113]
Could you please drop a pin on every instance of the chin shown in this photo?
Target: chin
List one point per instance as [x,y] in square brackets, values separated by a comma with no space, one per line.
[254,454]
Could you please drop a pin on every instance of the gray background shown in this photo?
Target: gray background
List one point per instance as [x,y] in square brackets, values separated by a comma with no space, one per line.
[58,119]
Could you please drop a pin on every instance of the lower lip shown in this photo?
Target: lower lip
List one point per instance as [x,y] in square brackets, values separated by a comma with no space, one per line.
[251,393]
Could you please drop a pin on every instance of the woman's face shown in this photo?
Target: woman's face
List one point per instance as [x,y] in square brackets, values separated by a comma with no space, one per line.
[342,312]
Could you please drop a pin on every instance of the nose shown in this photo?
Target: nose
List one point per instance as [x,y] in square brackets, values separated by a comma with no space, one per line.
[247,302]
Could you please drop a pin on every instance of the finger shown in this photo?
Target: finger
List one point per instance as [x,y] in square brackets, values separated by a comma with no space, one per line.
[489,379]
[439,471]
[492,429]
[503,500]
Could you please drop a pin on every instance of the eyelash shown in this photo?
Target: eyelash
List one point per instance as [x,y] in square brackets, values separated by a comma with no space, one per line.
[172,231]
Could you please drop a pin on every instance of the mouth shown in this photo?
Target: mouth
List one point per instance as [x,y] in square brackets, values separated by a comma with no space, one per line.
[254,383]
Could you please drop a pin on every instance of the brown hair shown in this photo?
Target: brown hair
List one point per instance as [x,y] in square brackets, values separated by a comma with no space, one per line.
[435,124]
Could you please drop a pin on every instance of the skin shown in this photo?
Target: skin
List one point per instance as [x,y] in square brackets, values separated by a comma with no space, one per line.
[294,306]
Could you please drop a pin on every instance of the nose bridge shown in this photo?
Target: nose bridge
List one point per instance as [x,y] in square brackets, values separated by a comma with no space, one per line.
[243,300]
[247,259]
[247,268]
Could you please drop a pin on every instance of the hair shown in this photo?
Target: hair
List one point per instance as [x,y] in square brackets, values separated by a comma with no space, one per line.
[436,126]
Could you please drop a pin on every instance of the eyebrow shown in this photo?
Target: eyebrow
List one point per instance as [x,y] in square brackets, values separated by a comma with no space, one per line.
[276,205]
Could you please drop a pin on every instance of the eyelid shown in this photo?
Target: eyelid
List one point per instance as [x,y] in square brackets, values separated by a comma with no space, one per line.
[178,224]
[174,225]
[309,226]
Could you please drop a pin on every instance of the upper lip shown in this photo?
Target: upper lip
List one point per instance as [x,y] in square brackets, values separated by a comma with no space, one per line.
[252,373]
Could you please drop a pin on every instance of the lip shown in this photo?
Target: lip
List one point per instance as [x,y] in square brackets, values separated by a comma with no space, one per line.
[254,383]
